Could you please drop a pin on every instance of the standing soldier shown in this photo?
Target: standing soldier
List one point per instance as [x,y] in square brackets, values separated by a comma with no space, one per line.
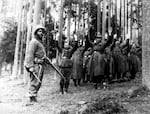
[86,58]
[34,63]
[66,68]
[97,62]
[77,70]
[65,64]
[134,62]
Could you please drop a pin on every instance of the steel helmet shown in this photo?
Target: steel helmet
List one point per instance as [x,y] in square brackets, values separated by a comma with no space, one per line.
[37,27]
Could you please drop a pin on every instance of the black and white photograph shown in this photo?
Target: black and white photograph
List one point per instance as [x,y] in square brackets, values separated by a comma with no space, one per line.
[74,56]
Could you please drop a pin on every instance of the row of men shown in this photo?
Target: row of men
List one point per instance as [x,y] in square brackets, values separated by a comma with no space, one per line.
[105,61]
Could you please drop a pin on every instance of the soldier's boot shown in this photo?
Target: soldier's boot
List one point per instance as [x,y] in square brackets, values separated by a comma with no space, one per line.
[29,101]
[61,90]
[75,82]
[66,86]
[34,99]
[118,77]
[95,85]
[61,87]
[79,80]
[66,91]
[121,77]
[84,77]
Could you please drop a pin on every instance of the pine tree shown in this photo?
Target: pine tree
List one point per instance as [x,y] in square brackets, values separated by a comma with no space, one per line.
[16,57]
[146,44]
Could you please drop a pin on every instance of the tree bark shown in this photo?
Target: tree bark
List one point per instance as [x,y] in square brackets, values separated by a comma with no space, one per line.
[99,19]
[104,20]
[1,68]
[16,56]
[68,24]
[79,17]
[29,27]
[24,34]
[146,44]
[61,21]
[37,13]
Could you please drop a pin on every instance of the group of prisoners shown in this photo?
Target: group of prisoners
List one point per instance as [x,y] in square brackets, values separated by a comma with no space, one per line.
[109,60]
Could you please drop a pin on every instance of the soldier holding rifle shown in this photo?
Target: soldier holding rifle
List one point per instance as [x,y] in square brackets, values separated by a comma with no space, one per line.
[34,63]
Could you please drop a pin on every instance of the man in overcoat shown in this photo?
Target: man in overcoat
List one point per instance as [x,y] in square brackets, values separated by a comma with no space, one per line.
[97,61]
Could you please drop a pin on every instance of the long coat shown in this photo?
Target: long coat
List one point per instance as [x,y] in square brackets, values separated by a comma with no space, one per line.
[97,64]
[77,59]
[86,57]
[120,61]
[133,63]
[97,61]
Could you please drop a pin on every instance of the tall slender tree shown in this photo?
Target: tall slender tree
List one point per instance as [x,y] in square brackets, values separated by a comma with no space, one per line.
[120,15]
[127,15]
[99,18]
[16,56]
[124,6]
[37,13]
[146,44]
[104,19]
[29,27]
[131,23]
[69,21]
[109,14]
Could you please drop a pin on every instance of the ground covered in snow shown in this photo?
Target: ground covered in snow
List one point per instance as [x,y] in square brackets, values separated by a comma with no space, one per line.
[119,98]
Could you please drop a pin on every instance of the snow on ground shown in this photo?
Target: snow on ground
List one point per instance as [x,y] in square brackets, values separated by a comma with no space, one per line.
[13,97]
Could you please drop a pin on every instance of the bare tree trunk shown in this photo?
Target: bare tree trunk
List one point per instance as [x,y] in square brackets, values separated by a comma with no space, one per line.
[60,31]
[109,15]
[127,16]
[16,57]
[29,27]
[104,19]
[99,19]
[69,21]
[131,23]
[79,17]
[24,34]
[146,44]
[37,12]
[124,22]
[61,23]
[88,21]
[120,15]
[75,22]
[11,68]
[1,68]
[20,54]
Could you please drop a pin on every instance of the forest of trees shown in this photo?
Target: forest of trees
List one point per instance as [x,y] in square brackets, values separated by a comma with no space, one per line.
[82,13]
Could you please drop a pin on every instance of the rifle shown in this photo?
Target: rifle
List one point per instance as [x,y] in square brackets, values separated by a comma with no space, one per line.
[48,61]
[35,75]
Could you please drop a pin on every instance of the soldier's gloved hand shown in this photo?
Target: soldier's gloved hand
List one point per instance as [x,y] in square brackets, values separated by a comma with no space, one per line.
[39,61]
[31,69]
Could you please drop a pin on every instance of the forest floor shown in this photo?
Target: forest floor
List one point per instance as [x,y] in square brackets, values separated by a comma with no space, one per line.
[118,98]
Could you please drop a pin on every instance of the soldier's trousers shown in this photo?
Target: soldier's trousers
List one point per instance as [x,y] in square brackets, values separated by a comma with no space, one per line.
[64,83]
[34,84]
